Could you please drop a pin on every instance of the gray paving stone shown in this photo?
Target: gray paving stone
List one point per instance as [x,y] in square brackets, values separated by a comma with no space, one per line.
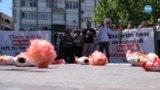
[78,77]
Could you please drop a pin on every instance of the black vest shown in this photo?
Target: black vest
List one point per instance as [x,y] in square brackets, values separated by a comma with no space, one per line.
[68,41]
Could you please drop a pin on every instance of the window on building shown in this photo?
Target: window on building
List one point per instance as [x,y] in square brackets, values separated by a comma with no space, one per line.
[77,5]
[23,3]
[82,1]
[85,19]
[28,27]
[41,4]
[48,2]
[51,3]
[58,17]
[33,3]
[44,16]
[28,3]
[67,5]
[28,15]
[88,8]
[54,4]
[72,5]
[72,18]
[22,14]
[7,21]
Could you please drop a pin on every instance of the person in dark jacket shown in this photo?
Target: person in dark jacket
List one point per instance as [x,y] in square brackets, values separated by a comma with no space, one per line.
[78,47]
[68,47]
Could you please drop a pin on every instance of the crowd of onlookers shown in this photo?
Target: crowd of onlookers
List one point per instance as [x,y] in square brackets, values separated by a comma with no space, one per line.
[84,42]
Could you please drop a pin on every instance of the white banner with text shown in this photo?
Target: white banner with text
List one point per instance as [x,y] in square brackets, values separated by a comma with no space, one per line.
[14,42]
[137,40]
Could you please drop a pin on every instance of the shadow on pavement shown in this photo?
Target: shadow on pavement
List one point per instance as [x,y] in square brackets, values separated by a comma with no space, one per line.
[27,69]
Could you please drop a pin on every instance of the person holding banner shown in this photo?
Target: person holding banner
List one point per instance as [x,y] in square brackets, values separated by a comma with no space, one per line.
[158,38]
[143,25]
[103,37]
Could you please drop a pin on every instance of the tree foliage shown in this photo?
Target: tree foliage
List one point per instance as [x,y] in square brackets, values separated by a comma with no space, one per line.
[125,11]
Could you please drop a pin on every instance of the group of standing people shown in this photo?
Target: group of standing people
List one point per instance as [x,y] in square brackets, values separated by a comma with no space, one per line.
[85,43]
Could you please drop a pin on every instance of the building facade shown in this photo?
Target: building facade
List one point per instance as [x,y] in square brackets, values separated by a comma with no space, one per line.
[5,22]
[53,14]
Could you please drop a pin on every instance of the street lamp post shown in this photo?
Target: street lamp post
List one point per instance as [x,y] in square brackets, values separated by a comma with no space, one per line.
[52,31]
[79,14]
[0,17]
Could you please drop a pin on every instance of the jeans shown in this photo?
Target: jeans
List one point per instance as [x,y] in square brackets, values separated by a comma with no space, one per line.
[87,49]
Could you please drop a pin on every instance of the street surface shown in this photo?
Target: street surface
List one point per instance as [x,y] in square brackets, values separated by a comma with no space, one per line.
[78,77]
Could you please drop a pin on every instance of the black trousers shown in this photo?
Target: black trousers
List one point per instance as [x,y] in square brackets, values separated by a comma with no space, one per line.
[69,55]
[78,51]
[102,46]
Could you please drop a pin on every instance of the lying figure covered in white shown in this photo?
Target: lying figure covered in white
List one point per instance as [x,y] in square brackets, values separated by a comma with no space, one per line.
[7,60]
[23,61]
[20,60]
[149,62]
[137,58]
[82,60]
[95,59]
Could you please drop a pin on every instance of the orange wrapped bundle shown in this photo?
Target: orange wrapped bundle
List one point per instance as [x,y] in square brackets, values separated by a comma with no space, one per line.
[98,58]
[41,53]
[152,56]
[148,57]
[152,65]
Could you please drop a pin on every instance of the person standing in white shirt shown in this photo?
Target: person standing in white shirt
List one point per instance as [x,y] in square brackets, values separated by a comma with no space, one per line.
[58,45]
[103,37]
[158,25]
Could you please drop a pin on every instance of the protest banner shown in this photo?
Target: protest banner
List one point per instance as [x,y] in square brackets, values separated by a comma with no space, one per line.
[14,42]
[136,40]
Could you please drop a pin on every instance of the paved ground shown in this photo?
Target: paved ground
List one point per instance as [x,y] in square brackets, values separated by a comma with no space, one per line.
[78,77]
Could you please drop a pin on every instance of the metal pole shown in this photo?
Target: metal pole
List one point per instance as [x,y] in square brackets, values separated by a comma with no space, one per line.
[51,13]
[65,15]
[37,16]
[95,4]
[20,27]
[79,14]
[0,21]
[52,31]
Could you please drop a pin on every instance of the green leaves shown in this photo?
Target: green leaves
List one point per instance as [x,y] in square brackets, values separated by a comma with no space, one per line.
[124,11]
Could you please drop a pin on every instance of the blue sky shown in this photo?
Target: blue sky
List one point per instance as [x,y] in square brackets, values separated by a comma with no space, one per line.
[6,7]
